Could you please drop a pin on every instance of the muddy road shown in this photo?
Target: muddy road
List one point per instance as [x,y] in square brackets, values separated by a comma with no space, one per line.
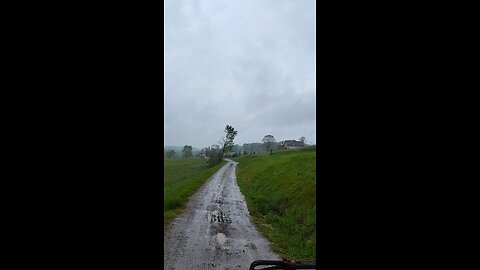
[216,231]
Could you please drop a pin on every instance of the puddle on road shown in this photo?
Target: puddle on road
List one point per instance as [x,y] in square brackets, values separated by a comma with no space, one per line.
[221,239]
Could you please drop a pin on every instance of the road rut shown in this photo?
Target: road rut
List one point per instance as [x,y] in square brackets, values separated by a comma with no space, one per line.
[216,231]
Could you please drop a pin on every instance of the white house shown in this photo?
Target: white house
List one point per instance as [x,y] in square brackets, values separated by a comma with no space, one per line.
[291,144]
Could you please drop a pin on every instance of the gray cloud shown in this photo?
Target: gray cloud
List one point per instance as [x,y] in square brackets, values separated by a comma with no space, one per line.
[250,64]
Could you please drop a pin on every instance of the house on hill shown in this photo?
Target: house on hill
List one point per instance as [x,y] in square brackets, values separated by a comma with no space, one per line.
[291,144]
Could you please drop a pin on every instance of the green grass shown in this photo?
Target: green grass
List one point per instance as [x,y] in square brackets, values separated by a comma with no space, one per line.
[280,194]
[181,178]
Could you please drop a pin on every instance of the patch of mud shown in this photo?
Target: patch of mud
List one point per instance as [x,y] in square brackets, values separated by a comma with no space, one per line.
[251,246]
[220,217]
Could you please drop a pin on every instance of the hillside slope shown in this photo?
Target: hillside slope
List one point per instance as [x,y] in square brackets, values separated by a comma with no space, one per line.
[280,191]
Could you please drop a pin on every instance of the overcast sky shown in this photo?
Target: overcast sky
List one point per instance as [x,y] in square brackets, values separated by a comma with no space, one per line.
[245,63]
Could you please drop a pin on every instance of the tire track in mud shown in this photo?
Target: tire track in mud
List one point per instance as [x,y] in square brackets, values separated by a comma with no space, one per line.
[215,232]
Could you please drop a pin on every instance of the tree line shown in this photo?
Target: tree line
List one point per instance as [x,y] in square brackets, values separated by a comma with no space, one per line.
[226,148]
[215,153]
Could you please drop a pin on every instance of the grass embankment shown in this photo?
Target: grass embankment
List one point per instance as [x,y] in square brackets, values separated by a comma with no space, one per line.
[280,194]
[181,178]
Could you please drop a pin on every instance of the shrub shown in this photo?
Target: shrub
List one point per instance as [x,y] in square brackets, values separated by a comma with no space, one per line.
[215,159]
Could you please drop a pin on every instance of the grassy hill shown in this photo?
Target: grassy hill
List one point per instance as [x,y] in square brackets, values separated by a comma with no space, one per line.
[280,191]
[181,178]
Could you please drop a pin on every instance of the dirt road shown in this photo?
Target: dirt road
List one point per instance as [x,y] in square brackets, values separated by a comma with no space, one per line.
[216,231]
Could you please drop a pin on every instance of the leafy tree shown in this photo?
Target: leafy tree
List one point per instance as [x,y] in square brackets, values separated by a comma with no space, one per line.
[207,151]
[269,142]
[228,141]
[187,151]
[215,158]
[302,139]
[170,154]
[217,153]
[210,151]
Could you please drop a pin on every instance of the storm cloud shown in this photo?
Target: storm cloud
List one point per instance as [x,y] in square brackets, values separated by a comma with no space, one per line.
[247,63]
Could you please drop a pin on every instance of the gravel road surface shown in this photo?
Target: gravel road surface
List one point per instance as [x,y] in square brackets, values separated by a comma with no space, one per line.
[216,231]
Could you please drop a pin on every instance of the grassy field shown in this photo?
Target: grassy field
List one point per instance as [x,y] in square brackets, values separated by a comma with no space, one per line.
[280,193]
[181,178]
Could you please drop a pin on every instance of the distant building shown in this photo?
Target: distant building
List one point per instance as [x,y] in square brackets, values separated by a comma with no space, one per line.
[291,144]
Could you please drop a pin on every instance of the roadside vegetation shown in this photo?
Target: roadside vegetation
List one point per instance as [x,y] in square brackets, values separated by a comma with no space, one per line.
[181,179]
[280,191]
[217,154]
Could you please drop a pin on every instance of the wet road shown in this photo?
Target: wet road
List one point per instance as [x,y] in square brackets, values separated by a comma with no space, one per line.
[216,231]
